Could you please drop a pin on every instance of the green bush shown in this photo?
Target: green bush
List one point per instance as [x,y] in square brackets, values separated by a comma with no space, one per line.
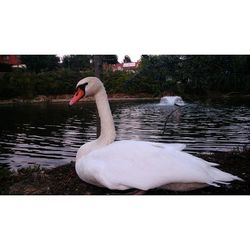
[115,81]
[28,85]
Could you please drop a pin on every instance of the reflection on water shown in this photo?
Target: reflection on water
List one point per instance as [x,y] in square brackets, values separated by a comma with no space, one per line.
[50,134]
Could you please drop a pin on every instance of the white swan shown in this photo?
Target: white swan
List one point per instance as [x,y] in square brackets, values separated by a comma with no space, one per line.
[142,165]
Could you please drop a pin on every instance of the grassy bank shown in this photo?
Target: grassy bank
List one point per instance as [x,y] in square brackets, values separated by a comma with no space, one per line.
[63,180]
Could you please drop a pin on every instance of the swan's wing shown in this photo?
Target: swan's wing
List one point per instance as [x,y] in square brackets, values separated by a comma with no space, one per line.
[143,165]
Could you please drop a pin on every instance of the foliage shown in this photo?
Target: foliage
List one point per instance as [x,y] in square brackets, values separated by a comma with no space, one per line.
[114,81]
[157,75]
[127,59]
[154,73]
[76,62]
[198,75]
[203,74]
[110,59]
[30,84]
[39,63]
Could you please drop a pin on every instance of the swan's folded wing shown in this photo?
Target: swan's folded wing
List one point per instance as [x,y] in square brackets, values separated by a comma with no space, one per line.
[134,164]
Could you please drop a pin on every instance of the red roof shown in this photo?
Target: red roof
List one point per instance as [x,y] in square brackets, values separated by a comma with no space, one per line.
[10,59]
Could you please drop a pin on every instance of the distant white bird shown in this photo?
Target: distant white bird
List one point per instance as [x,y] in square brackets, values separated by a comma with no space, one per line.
[172,100]
[142,165]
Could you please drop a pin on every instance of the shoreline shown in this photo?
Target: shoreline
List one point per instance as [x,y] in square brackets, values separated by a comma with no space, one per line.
[120,97]
[66,98]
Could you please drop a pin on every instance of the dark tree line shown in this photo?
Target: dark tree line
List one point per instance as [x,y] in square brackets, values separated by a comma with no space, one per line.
[38,63]
[157,75]
[43,63]
[197,74]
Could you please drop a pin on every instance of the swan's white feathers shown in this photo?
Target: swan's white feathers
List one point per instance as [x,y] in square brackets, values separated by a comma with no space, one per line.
[143,165]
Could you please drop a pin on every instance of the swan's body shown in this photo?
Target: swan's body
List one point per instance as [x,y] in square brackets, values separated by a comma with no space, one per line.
[143,165]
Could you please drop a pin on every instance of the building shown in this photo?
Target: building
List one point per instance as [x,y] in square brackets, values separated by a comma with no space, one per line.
[9,61]
[132,66]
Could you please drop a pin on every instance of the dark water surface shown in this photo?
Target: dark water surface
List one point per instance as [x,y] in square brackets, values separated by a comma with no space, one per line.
[50,134]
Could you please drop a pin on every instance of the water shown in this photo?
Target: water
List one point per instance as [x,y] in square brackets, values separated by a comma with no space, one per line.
[50,134]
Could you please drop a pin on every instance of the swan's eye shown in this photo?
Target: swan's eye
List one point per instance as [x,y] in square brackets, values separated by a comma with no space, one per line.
[83,86]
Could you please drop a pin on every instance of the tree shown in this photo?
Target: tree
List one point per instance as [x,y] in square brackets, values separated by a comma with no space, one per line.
[76,62]
[110,59]
[38,63]
[221,73]
[193,74]
[98,60]
[127,59]
[153,74]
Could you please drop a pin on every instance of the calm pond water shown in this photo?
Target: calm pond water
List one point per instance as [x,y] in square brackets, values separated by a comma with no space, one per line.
[50,134]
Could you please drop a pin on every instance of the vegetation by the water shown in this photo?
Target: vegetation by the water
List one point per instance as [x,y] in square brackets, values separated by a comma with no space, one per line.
[157,75]
[196,75]
[64,180]
[30,84]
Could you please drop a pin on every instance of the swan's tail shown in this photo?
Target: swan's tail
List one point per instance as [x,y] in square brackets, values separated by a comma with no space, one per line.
[220,177]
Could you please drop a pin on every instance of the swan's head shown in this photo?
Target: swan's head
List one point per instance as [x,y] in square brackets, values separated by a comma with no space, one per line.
[88,86]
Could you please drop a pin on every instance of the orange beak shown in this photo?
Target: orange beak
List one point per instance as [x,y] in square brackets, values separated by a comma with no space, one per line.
[77,96]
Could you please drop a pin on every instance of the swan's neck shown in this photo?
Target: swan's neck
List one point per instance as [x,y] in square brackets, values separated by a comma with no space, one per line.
[108,134]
